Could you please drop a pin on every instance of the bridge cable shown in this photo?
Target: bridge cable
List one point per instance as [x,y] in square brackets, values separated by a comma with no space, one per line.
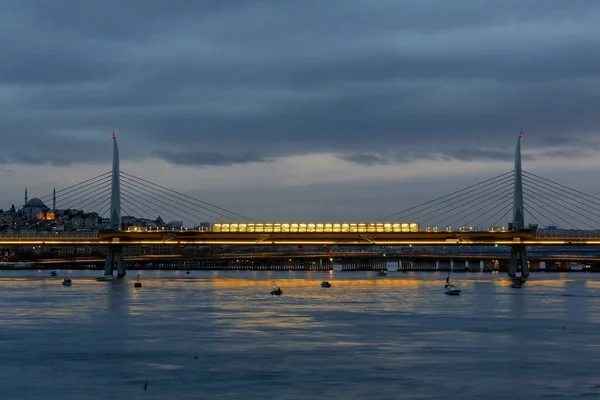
[79,203]
[494,204]
[544,191]
[188,197]
[46,223]
[134,184]
[169,200]
[91,198]
[126,189]
[508,209]
[566,187]
[529,207]
[548,211]
[94,203]
[144,208]
[453,196]
[532,215]
[168,208]
[97,205]
[561,194]
[81,185]
[130,213]
[49,196]
[535,197]
[480,199]
[107,207]
[78,195]
[74,189]
[442,208]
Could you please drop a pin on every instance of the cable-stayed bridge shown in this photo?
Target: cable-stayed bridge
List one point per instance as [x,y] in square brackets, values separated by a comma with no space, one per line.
[128,208]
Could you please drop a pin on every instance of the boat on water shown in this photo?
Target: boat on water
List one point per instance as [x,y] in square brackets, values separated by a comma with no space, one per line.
[53,273]
[67,282]
[325,284]
[383,272]
[452,290]
[276,292]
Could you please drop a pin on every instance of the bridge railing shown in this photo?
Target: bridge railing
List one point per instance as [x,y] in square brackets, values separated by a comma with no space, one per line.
[49,236]
[567,235]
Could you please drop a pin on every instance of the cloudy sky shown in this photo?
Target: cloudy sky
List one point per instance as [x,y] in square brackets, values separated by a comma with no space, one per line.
[287,109]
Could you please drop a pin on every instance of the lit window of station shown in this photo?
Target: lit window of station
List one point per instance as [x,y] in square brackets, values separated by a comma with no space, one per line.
[318,227]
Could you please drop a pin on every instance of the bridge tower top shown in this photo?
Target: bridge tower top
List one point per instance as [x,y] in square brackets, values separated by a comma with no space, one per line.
[115,198]
[518,210]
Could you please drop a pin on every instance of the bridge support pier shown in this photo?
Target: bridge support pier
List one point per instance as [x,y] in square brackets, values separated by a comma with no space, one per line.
[518,252]
[115,260]
[518,255]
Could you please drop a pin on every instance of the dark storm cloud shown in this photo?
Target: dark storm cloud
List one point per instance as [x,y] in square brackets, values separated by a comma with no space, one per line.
[207,158]
[465,154]
[238,81]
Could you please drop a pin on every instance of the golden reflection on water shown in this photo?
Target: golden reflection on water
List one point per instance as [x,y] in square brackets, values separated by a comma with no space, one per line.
[243,304]
[39,299]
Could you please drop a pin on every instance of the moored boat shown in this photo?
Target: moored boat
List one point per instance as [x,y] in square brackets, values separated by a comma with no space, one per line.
[452,290]
[276,292]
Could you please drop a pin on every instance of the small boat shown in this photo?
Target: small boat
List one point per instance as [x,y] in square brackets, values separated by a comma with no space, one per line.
[516,283]
[452,290]
[383,272]
[276,292]
[67,282]
[325,284]
[53,273]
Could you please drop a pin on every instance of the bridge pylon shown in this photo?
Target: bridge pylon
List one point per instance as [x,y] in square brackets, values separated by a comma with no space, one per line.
[518,252]
[114,257]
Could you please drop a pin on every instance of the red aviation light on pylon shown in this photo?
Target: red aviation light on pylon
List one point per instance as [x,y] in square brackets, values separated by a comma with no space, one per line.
[113,136]
[521,133]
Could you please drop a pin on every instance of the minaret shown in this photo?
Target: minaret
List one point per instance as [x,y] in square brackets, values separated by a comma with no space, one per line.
[54,199]
[25,197]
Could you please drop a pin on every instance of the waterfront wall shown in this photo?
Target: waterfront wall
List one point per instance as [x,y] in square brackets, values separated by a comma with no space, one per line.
[308,263]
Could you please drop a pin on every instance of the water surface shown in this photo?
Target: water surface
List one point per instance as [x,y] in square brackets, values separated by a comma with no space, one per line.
[220,335]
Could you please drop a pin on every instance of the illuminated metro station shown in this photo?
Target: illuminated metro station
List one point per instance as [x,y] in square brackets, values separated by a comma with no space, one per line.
[319,227]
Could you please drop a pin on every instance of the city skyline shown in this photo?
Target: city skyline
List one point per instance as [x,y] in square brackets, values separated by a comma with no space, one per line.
[373,109]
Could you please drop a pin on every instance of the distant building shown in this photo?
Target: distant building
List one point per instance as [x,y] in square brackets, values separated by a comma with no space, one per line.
[36,209]
[203,226]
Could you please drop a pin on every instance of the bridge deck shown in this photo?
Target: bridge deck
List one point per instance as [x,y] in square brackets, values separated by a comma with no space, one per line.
[341,238]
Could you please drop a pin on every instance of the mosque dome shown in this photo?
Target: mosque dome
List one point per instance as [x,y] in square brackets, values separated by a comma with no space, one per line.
[35,203]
